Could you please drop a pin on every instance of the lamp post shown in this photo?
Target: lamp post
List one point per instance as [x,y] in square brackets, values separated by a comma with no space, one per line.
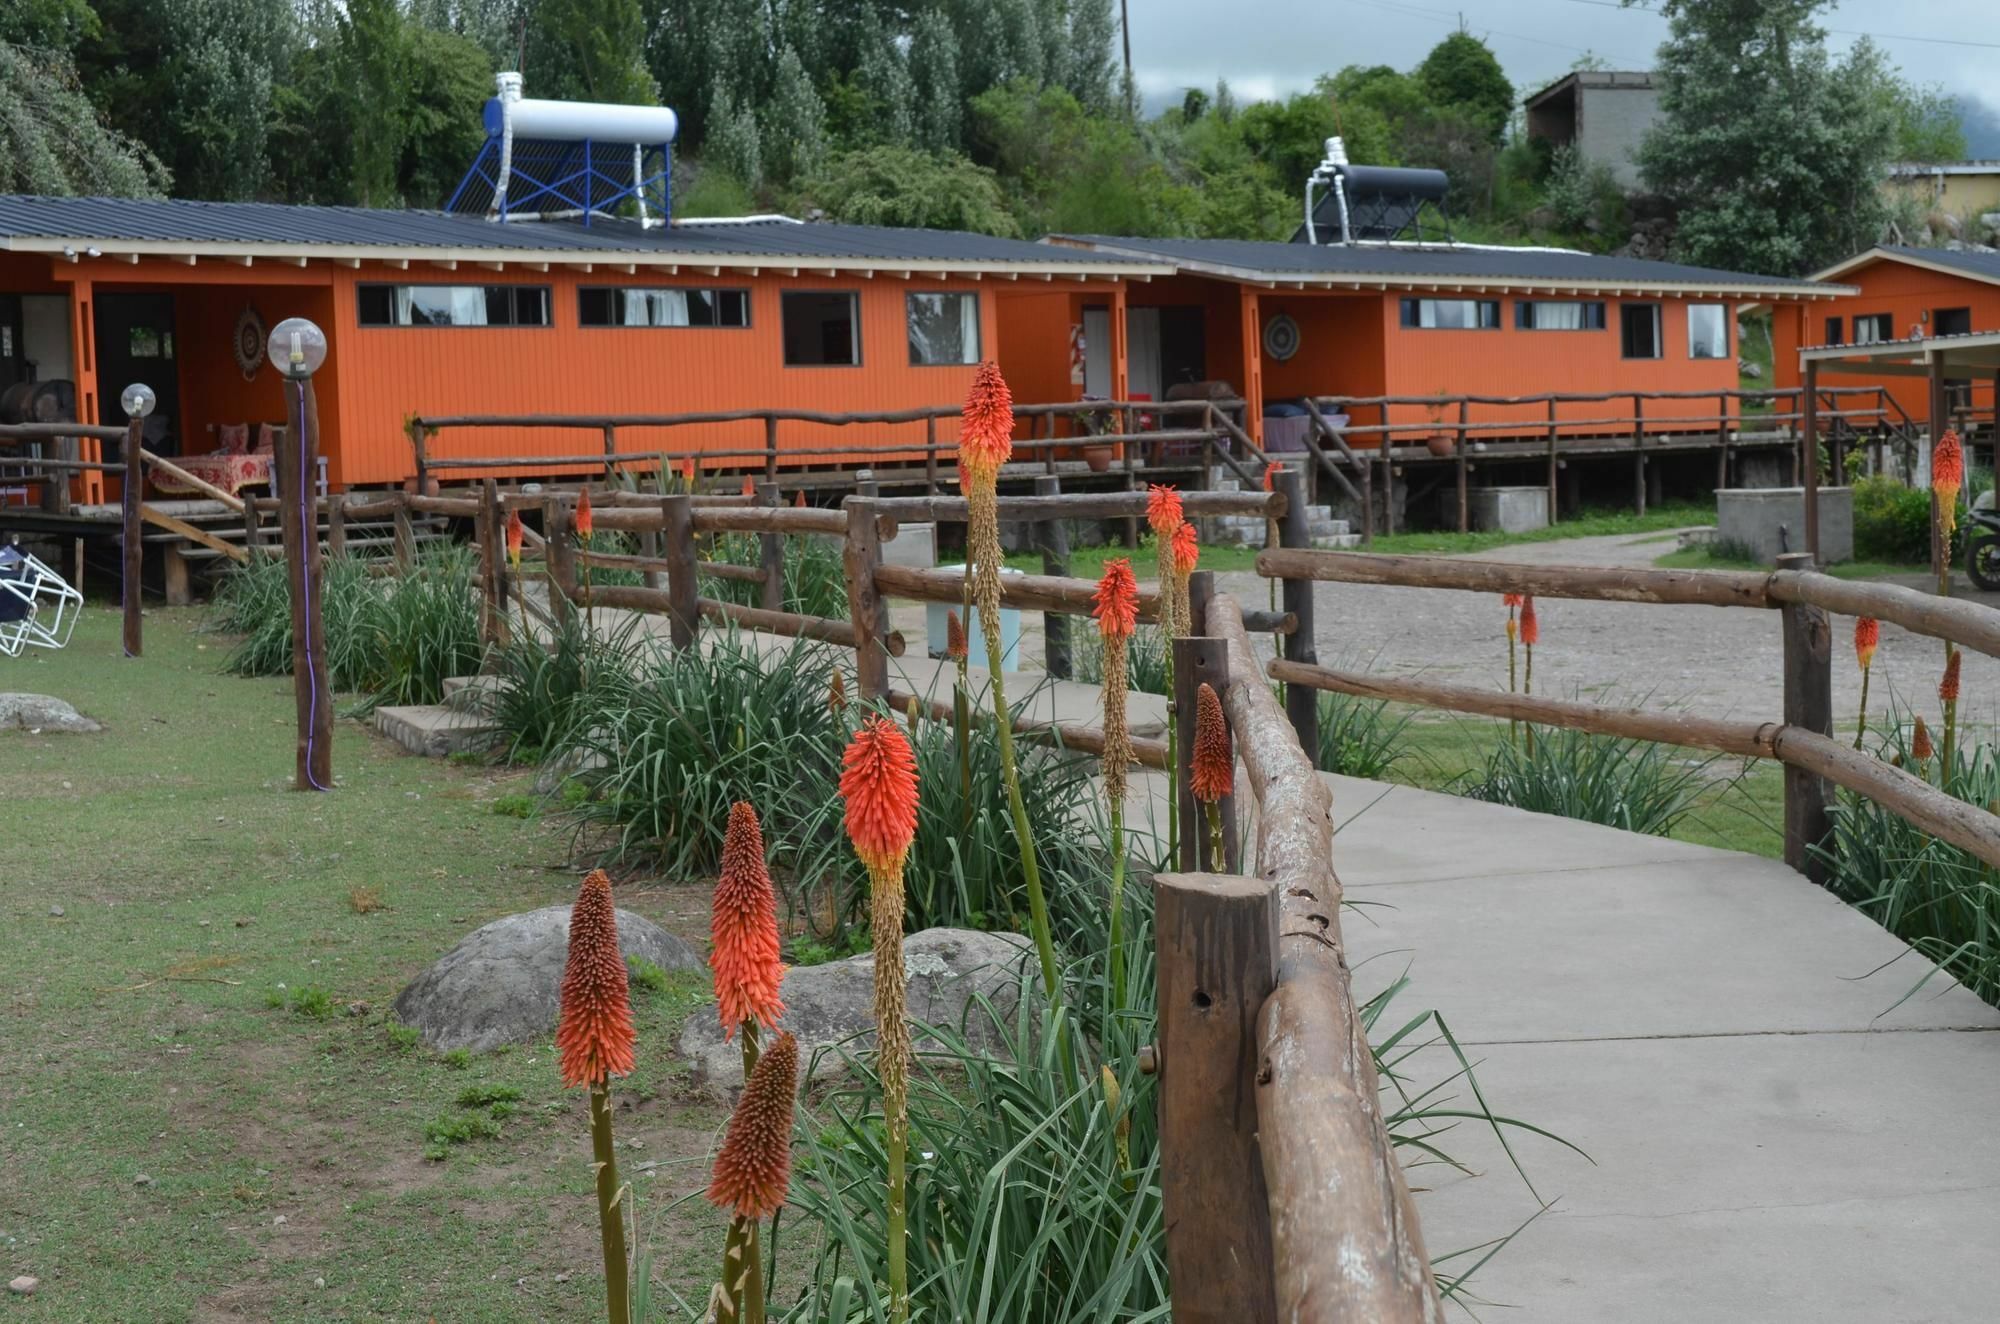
[138,402]
[297,348]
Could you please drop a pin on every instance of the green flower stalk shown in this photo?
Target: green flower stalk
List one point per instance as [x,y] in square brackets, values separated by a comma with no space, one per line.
[1867,635]
[1116,607]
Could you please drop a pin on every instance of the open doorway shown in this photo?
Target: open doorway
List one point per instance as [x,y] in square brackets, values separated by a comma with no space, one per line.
[135,343]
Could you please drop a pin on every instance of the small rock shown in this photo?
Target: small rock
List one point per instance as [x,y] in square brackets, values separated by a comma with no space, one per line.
[280,1221]
[24,1285]
[55,912]
[203,923]
[319,1282]
[39,712]
[242,923]
[357,1009]
[142,1180]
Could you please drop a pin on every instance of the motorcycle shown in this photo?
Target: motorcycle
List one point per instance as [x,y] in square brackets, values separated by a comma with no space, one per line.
[1982,544]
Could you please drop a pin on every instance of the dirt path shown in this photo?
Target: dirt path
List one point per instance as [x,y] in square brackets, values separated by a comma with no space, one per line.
[1718,661]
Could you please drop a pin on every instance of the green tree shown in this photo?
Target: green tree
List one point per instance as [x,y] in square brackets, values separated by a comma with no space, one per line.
[732,142]
[223,59]
[939,100]
[52,141]
[889,185]
[56,25]
[1928,127]
[588,50]
[794,123]
[1461,74]
[1771,149]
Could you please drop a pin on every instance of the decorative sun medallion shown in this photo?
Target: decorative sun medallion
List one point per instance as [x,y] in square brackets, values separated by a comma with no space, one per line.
[1281,337]
[250,333]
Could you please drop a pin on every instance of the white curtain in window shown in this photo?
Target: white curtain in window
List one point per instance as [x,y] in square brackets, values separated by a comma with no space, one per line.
[441,305]
[1448,314]
[968,329]
[1559,317]
[656,307]
[1708,331]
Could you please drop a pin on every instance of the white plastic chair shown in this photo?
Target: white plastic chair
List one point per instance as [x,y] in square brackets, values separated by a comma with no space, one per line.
[38,608]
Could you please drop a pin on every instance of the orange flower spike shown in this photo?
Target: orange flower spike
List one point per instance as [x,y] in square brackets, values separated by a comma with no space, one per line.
[585,522]
[986,438]
[878,780]
[594,1035]
[1187,550]
[1948,687]
[1531,629]
[799,498]
[753,1172]
[743,921]
[1213,770]
[688,471]
[516,534]
[1920,743]
[1510,600]
[1271,471]
[1116,602]
[954,636]
[1867,634]
[1163,509]
[836,694]
[1948,465]
[749,488]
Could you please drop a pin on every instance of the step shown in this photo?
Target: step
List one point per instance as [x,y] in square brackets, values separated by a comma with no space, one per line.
[433,730]
[1337,541]
[472,694]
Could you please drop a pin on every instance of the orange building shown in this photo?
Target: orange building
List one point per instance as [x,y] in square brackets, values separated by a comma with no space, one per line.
[436,314]
[1891,294]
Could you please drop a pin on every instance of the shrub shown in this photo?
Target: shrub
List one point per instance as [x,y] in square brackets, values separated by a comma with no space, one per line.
[1145,657]
[542,688]
[1358,737]
[1891,522]
[428,628]
[1631,784]
[1943,901]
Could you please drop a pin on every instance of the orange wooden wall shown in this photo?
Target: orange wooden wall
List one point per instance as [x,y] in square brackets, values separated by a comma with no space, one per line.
[388,373]
[1907,294]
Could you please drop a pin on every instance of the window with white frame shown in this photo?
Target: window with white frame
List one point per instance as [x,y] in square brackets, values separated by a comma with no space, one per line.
[1452,314]
[944,328]
[1708,331]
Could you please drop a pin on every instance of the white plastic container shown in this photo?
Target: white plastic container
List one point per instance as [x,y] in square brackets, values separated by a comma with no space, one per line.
[937,632]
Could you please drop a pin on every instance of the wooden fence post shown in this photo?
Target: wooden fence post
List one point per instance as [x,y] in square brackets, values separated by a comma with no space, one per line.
[1217,944]
[297,465]
[336,525]
[405,535]
[131,533]
[253,526]
[1198,661]
[771,553]
[1722,442]
[559,559]
[1554,464]
[419,448]
[1295,530]
[1808,706]
[1464,470]
[492,529]
[1809,452]
[865,607]
[770,448]
[683,586]
[1639,452]
[1053,535]
[610,453]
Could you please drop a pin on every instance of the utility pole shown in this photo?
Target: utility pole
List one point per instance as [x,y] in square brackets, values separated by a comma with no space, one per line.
[1125,31]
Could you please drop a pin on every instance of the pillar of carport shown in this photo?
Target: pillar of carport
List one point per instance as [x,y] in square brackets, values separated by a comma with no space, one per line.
[1248,301]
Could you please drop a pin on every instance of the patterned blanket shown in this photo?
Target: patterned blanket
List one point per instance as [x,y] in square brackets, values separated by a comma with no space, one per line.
[231,473]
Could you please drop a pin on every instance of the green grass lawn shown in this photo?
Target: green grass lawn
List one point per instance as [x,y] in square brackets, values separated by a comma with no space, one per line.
[1742,810]
[1705,558]
[1088,562]
[205,1110]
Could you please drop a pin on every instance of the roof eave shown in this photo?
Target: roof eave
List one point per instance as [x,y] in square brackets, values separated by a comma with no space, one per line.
[1882,253]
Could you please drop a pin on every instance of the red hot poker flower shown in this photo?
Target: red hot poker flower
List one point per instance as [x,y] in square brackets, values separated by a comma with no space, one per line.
[799,498]
[1116,602]
[516,533]
[585,522]
[878,780]
[1948,464]
[1867,634]
[1187,550]
[954,636]
[688,470]
[1271,471]
[836,694]
[1531,629]
[1920,743]
[743,921]
[1510,599]
[986,437]
[1948,687]
[1163,509]
[1213,766]
[753,1171]
[749,488]
[594,1035]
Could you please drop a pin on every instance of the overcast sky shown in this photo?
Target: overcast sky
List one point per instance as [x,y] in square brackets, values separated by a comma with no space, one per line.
[1268,47]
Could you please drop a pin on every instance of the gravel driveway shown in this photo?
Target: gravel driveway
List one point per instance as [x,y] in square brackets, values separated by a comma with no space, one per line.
[1715,661]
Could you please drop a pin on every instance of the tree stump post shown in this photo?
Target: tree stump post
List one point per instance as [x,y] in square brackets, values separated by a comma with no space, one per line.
[1808,706]
[1053,536]
[683,586]
[297,465]
[1216,938]
[131,535]
[559,559]
[861,557]
[771,553]
[1295,530]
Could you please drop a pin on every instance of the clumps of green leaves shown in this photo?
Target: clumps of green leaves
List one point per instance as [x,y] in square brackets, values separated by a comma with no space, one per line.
[1359,737]
[402,1037]
[645,975]
[1631,784]
[311,1001]
[458,1059]
[515,806]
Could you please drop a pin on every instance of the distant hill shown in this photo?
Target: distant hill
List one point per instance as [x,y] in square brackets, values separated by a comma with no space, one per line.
[1981,121]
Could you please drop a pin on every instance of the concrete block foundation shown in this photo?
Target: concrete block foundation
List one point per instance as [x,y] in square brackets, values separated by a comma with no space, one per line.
[1509,509]
[1763,522]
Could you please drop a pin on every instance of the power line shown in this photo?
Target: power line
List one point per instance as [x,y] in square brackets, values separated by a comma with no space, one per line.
[1454,19]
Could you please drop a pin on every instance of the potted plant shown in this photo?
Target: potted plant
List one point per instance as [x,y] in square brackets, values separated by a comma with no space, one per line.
[1441,438]
[1098,455]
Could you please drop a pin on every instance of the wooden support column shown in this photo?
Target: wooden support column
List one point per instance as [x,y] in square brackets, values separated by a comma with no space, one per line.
[405,537]
[132,544]
[253,524]
[1940,419]
[336,525]
[491,526]
[1197,661]
[771,448]
[931,455]
[1555,503]
[771,553]
[1639,452]
[866,608]
[419,452]
[1295,530]
[1217,943]
[175,568]
[683,586]
[1053,537]
[1808,707]
[297,464]
[559,559]
[1464,470]
[1809,453]
[1721,442]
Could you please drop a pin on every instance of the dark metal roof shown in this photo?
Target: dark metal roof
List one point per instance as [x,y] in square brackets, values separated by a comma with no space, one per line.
[1986,266]
[111,221]
[1430,264]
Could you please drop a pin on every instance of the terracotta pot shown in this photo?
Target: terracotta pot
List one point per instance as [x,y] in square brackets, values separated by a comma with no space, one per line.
[1098,458]
[1440,444]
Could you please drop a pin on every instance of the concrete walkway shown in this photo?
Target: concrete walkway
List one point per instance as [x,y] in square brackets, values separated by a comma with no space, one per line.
[1771,1141]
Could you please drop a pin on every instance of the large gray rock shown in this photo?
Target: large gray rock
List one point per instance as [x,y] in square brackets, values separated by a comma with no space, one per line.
[499,985]
[834,1003]
[39,712]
